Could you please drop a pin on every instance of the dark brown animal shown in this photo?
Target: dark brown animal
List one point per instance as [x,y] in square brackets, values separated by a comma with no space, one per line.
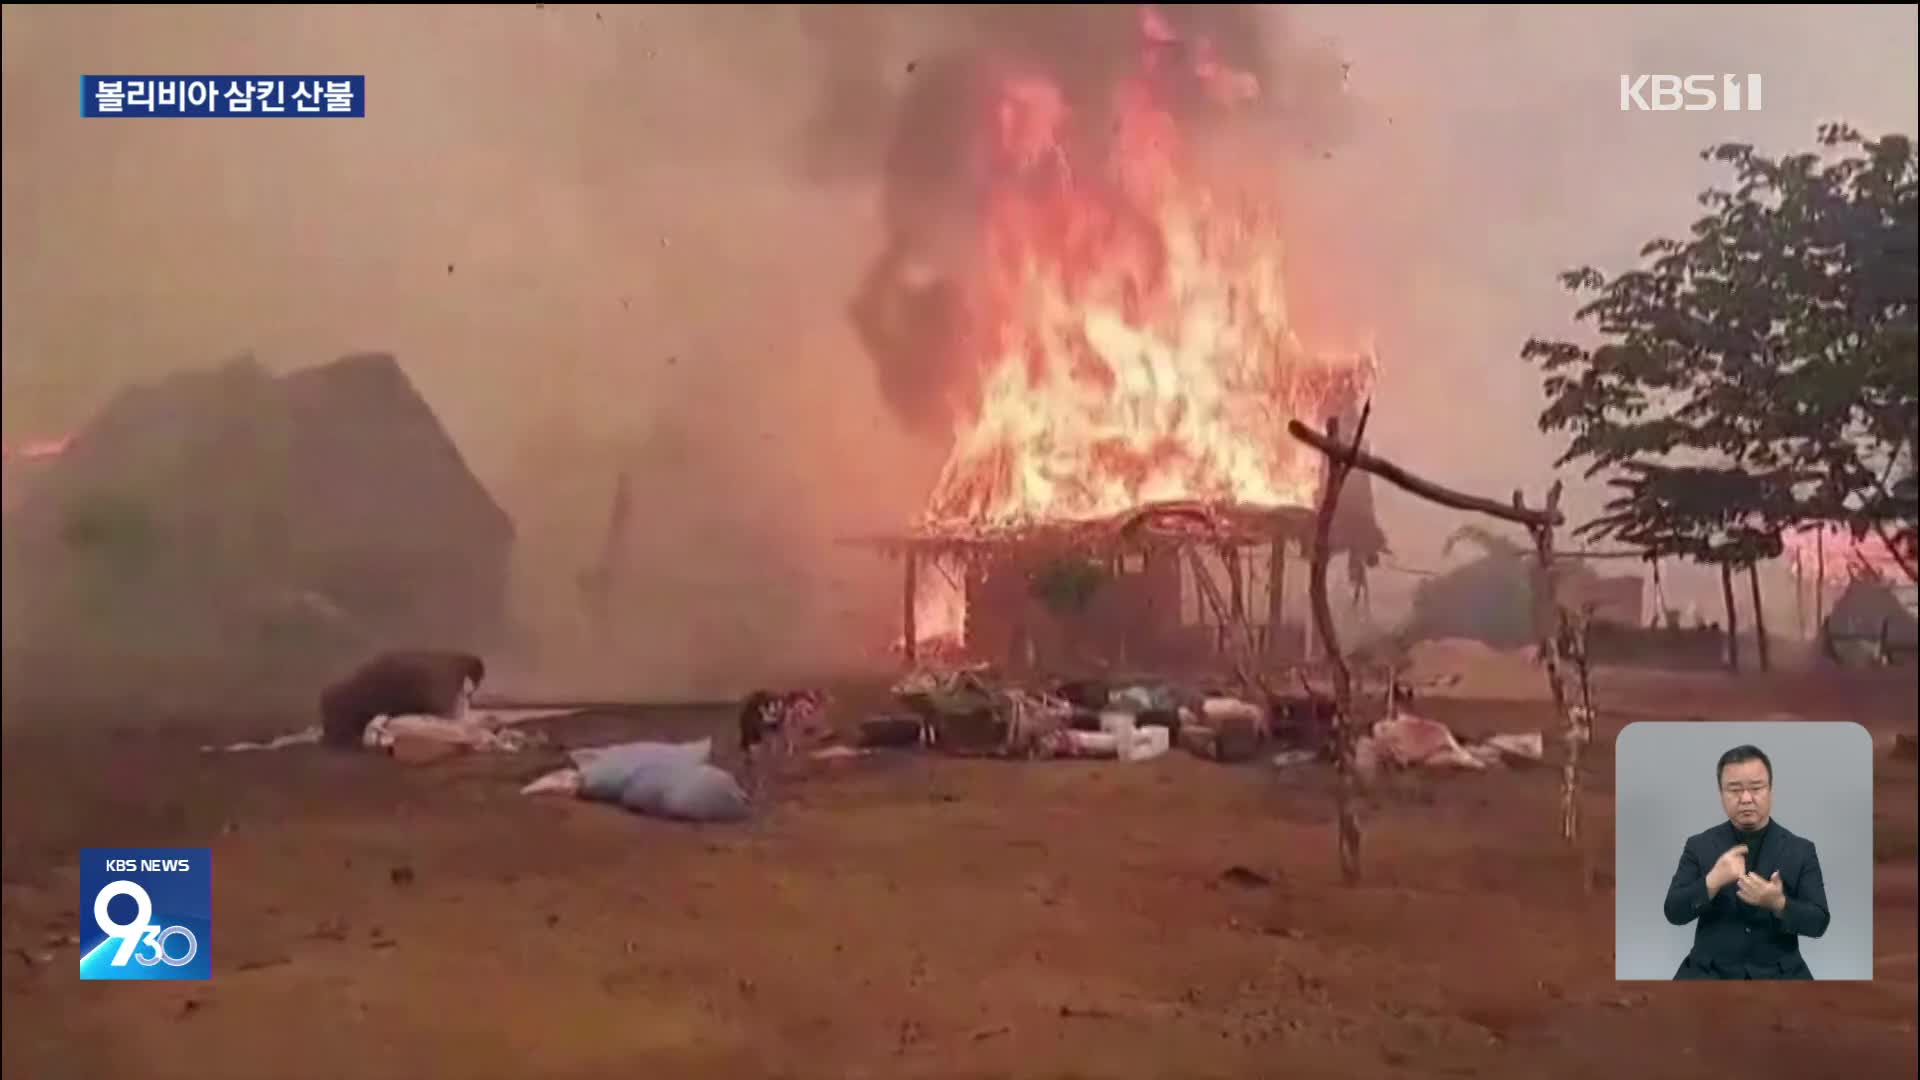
[401,683]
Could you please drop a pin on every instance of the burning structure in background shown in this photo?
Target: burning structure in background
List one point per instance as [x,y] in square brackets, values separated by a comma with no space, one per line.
[1090,300]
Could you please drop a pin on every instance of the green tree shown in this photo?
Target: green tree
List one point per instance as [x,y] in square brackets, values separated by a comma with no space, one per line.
[1760,374]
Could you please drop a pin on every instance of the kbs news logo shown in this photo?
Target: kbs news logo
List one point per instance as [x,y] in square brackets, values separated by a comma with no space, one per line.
[1689,93]
[146,913]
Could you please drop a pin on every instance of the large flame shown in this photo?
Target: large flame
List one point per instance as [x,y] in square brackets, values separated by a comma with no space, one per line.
[1129,317]
[1832,550]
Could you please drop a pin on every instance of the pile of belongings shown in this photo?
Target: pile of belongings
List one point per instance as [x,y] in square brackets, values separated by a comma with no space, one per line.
[418,739]
[415,739]
[962,712]
[1223,728]
[676,781]
[1119,736]
[1408,741]
[1132,722]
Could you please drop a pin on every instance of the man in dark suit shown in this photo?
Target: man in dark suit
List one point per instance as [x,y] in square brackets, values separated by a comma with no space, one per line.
[1755,888]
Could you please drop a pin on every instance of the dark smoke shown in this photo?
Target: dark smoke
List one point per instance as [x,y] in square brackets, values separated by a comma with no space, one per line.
[905,98]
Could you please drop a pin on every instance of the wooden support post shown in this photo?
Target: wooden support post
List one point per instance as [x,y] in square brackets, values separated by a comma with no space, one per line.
[1549,621]
[1276,596]
[1820,581]
[1733,618]
[1759,617]
[1236,640]
[1800,597]
[1236,579]
[909,614]
[1346,732]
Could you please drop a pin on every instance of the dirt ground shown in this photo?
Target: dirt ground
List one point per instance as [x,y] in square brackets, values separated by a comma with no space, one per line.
[902,915]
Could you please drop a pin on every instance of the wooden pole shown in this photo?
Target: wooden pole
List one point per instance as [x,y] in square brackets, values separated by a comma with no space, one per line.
[1820,581]
[1800,595]
[1759,616]
[1236,579]
[1276,596]
[909,615]
[1236,638]
[1393,474]
[1581,640]
[1733,618]
[1346,726]
[1548,619]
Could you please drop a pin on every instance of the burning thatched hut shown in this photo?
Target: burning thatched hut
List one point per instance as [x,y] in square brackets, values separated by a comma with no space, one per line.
[1157,586]
[1108,307]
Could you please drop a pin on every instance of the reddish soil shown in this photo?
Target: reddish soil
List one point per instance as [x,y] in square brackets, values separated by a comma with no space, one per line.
[902,915]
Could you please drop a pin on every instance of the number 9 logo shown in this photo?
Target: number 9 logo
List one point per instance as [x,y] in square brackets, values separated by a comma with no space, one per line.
[141,930]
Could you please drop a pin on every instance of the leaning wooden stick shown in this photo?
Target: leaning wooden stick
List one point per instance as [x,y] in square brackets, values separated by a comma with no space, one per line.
[1547,620]
[1345,733]
[1426,489]
[1540,524]
[1580,637]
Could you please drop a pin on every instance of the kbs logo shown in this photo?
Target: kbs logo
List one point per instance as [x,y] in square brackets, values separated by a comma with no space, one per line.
[146,913]
[1689,93]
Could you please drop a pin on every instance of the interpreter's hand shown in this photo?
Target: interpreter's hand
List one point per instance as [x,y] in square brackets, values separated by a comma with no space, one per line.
[1763,892]
[1728,868]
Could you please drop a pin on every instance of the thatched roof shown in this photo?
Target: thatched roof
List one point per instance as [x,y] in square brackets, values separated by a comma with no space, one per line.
[1354,529]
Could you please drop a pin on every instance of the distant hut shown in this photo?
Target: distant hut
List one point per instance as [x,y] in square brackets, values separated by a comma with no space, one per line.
[1869,621]
[214,510]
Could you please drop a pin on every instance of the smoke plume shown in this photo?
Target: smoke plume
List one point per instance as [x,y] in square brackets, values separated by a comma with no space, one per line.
[920,126]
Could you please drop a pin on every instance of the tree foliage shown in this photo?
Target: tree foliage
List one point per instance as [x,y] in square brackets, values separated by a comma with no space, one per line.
[1761,374]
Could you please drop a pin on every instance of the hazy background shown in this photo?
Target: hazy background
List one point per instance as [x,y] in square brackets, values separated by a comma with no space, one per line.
[641,278]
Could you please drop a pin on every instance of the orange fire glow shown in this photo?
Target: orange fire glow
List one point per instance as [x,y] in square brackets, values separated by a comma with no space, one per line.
[36,449]
[1130,320]
[1834,550]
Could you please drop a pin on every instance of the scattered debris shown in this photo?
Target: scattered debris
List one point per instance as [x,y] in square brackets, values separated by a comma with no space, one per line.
[330,930]
[492,730]
[894,731]
[1528,747]
[1245,878]
[558,782]
[32,960]
[419,739]
[308,736]
[1409,741]
[266,962]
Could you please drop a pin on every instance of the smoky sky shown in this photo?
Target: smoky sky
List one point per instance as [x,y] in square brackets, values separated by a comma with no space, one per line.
[912,126]
[657,217]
